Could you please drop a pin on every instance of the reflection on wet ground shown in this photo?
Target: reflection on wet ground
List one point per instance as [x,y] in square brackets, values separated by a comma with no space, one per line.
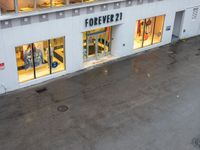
[172,54]
[149,101]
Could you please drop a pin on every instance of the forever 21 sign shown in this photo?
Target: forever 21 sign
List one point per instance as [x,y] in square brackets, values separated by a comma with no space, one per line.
[110,18]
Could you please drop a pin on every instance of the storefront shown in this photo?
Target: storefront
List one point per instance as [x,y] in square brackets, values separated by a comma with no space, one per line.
[56,42]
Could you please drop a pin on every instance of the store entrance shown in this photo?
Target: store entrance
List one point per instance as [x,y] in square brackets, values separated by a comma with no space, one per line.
[177,26]
[97,44]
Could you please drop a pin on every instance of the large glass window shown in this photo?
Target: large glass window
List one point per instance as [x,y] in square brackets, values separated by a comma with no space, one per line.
[43,3]
[24,56]
[57,54]
[78,1]
[139,31]
[148,31]
[40,59]
[57,3]
[25,5]
[158,29]
[7,6]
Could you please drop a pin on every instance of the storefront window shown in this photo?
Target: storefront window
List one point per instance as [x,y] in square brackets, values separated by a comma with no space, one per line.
[24,58]
[39,59]
[7,6]
[158,29]
[27,5]
[148,31]
[139,34]
[43,3]
[78,1]
[58,3]
[73,1]
[57,54]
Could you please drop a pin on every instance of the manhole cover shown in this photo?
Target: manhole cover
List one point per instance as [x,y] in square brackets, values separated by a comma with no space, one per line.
[196,142]
[62,108]
[41,90]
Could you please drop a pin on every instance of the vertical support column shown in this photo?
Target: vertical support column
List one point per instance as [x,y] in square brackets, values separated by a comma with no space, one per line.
[96,46]
[35,4]
[50,55]
[51,3]
[87,45]
[105,40]
[16,6]
[66,2]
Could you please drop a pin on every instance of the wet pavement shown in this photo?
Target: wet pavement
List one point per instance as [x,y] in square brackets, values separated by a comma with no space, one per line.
[145,102]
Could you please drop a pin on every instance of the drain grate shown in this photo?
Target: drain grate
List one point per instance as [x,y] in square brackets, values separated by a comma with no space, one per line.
[41,90]
[196,142]
[198,53]
[62,108]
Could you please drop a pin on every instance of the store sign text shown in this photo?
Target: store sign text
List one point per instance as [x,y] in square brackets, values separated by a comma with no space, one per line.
[111,18]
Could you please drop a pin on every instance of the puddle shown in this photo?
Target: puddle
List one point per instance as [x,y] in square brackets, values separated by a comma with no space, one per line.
[172,54]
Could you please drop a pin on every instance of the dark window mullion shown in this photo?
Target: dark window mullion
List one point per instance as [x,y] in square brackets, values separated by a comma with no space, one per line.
[50,57]
[110,42]
[153,31]
[144,26]
[33,59]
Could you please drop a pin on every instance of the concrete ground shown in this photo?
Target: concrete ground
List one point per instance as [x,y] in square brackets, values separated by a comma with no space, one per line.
[146,102]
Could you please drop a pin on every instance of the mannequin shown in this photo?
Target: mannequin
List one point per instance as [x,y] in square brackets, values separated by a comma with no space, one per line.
[28,63]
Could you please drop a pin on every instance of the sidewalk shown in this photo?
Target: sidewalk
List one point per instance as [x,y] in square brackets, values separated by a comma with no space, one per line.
[146,102]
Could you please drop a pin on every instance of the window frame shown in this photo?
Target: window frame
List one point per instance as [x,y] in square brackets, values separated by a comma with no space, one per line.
[49,58]
[154,27]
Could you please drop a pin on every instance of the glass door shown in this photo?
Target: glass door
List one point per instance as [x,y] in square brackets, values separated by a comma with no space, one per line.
[101,48]
[92,46]
[96,43]
[96,46]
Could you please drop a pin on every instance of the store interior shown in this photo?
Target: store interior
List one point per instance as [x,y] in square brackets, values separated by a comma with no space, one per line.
[29,5]
[148,31]
[39,59]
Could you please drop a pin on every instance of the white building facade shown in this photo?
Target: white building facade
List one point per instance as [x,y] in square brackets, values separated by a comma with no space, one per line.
[43,44]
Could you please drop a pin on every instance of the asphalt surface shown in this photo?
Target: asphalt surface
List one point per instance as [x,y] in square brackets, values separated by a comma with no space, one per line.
[145,102]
